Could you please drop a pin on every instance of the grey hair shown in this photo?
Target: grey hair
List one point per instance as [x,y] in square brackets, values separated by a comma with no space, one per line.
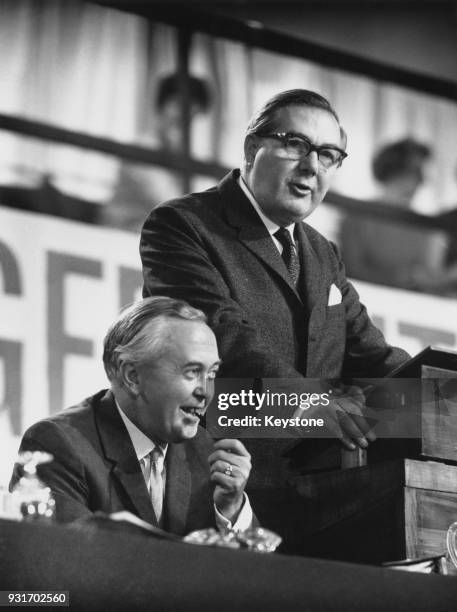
[264,120]
[128,339]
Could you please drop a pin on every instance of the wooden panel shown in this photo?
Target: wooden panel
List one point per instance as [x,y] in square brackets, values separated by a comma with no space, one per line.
[431,475]
[331,497]
[435,513]
[383,512]
[410,522]
[439,414]
[353,515]
[374,535]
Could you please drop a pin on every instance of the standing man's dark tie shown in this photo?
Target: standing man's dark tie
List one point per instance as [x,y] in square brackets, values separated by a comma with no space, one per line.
[289,253]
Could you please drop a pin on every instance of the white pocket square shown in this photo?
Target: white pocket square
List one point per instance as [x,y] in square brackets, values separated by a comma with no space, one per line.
[334,296]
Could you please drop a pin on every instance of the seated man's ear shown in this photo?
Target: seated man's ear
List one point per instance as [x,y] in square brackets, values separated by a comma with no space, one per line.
[130,378]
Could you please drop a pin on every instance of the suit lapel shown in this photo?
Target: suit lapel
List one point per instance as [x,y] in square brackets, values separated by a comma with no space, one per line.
[252,231]
[178,488]
[119,449]
[311,282]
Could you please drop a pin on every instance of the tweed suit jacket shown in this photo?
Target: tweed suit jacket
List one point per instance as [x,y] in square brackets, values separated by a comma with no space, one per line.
[95,468]
[213,250]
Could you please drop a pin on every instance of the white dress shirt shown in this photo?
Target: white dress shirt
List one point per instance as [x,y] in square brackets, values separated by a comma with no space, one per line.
[144,445]
[271,226]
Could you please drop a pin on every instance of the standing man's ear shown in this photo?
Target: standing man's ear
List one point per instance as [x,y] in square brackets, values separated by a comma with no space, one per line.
[129,377]
[251,146]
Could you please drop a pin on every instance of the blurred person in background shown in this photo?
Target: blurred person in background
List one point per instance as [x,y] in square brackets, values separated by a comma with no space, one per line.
[140,187]
[393,253]
[449,280]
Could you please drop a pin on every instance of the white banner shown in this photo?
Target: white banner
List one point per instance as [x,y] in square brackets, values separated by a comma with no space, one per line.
[411,320]
[62,285]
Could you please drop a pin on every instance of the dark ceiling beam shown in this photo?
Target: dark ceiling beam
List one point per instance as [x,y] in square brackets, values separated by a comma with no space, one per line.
[45,132]
[131,152]
[186,16]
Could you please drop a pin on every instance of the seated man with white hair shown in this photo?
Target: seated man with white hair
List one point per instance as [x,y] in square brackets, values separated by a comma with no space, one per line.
[138,446]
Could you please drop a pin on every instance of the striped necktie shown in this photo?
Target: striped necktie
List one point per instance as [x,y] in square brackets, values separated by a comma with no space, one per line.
[153,473]
[289,253]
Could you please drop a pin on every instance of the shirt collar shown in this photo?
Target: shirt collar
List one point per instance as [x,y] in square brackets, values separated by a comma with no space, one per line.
[271,226]
[141,443]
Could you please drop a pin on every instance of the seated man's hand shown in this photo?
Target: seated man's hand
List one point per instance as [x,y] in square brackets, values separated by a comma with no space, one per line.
[230,466]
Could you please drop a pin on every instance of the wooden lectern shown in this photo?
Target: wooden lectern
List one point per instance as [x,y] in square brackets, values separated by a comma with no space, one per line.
[397,500]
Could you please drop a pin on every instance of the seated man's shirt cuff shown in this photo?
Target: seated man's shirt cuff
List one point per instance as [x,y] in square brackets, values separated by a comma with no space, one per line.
[244,520]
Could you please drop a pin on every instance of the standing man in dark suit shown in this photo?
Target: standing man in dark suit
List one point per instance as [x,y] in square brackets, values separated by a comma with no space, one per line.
[139,446]
[273,288]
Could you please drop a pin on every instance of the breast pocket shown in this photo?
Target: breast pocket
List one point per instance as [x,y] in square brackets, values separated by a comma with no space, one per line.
[335,312]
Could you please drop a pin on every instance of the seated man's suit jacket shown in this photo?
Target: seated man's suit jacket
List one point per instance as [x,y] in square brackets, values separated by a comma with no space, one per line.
[95,468]
[213,250]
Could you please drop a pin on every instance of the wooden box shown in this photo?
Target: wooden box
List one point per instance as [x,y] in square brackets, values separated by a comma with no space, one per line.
[431,398]
[439,413]
[438,401]
[384,512]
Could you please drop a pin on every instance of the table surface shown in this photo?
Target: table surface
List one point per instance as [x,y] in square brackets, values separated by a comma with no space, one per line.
[106,570]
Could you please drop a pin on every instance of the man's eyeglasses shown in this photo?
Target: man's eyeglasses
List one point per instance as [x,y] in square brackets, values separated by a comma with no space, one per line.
[297,146]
